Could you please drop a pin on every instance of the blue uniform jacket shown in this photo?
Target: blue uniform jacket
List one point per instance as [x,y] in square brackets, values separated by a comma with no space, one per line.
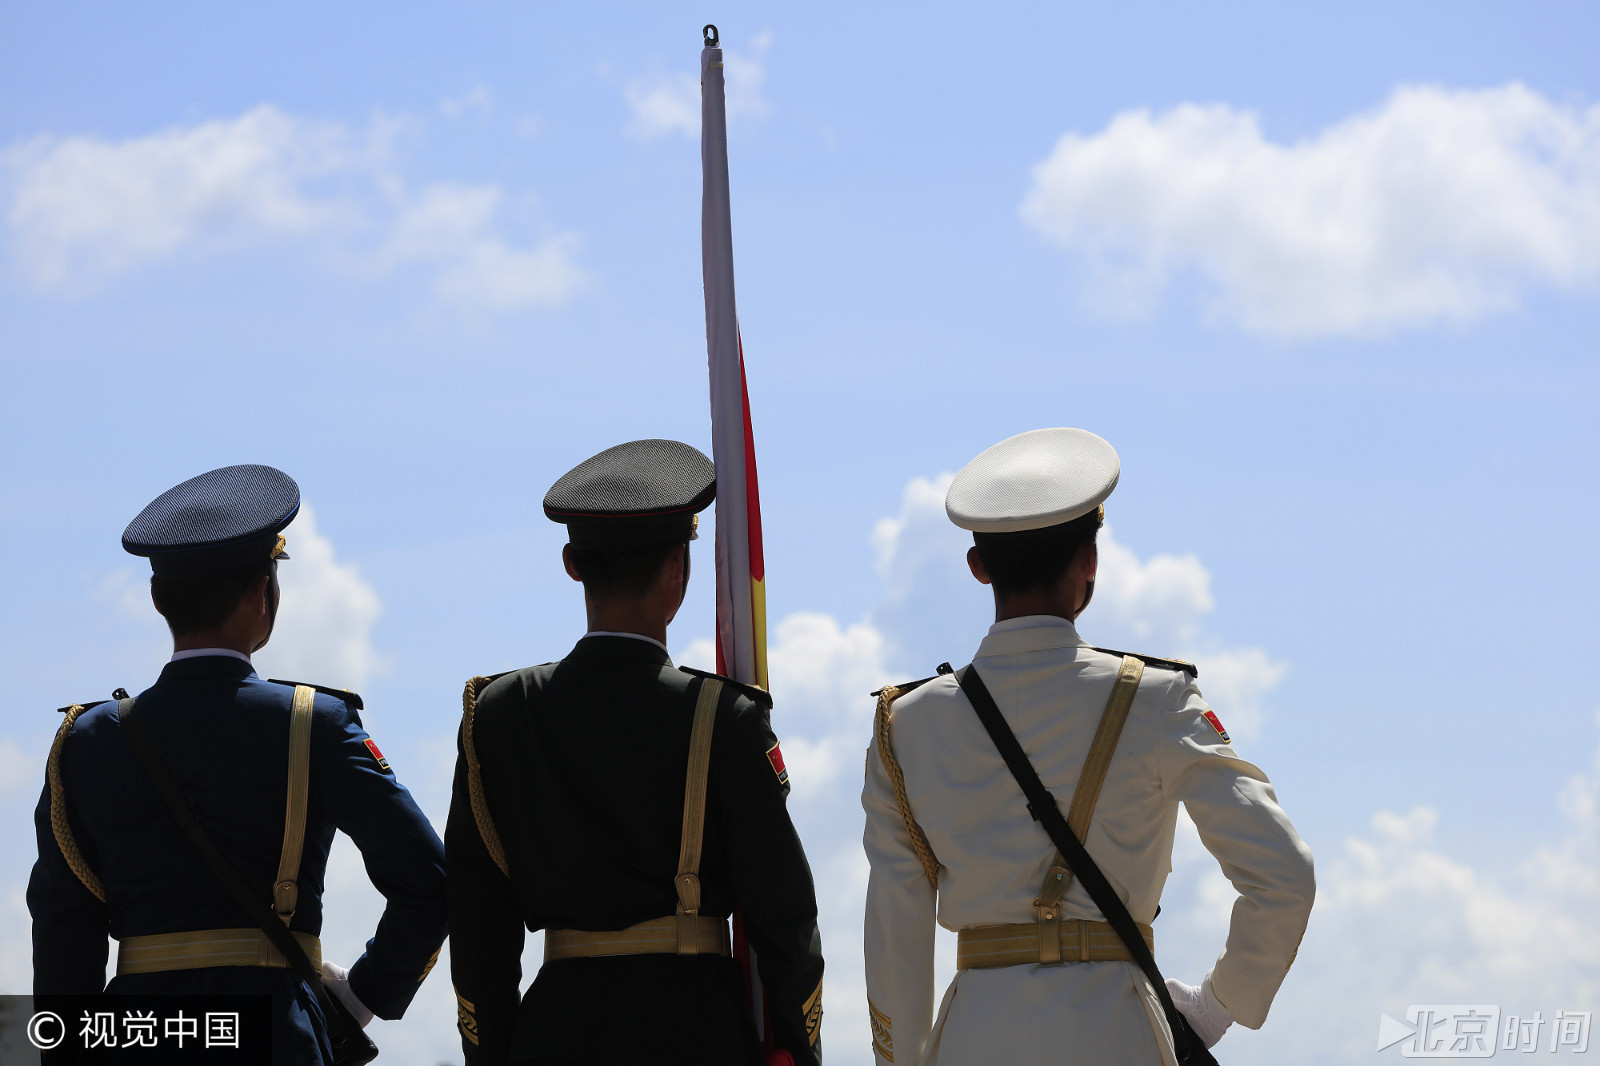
[224,733]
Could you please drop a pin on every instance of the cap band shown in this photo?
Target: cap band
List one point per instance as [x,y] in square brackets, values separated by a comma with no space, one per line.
[254,554]
[1058,535]
[618,534]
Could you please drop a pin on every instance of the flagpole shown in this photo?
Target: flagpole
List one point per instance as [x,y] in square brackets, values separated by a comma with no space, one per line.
[741,651]
[741,565]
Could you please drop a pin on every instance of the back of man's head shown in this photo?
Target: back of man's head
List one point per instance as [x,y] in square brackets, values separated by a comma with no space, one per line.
[192,605]
[614,575]
[1037,560]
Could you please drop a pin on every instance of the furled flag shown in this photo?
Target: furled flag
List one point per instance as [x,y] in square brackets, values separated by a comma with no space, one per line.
[741,593]
[741,573]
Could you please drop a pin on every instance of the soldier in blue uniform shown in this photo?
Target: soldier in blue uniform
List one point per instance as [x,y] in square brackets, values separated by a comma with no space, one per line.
[112,859]
[625,807]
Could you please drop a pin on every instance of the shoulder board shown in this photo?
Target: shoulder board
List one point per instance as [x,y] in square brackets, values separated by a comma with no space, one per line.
[1150,660]
[489,679]
[351,700]
[904,686]
[760,695]
[86,704]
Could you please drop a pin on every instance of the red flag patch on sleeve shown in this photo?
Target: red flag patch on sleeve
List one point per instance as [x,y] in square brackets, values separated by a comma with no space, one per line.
[1216,723]
[775,757]
[383,764]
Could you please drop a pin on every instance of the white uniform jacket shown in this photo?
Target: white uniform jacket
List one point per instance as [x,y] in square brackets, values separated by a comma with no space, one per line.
[1052,689]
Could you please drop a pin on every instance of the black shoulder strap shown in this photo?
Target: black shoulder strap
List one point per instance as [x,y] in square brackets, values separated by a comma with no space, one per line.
[1151,660]
[1191,1051]
[343,1032]
[759,695]
[350,699]
[903,687]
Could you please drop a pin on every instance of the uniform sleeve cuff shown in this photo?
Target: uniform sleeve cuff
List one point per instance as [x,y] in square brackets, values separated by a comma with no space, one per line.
[1232,1003]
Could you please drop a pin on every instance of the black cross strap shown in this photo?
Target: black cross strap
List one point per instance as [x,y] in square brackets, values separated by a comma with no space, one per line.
[351,1046]
[1187,1045]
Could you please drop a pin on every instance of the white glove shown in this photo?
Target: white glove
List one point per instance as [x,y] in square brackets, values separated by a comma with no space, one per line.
[337,980]
[1207,1017]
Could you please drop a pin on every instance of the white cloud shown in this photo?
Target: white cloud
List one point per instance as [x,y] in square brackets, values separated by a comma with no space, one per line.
[16,940]
[83,206]
[1400,921]
[324,627]
[820,673]
[1167,593]
[81,210]
[1236,681]
[903,544]
[478,100]
[128,589]
[1438,206]
[1155,604]
[452,227]
[670,104]
[17,770]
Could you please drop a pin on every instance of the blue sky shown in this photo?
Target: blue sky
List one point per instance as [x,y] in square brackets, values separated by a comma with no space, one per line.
[1326,278]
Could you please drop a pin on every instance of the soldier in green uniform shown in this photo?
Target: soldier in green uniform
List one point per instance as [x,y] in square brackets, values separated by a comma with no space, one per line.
[626,807]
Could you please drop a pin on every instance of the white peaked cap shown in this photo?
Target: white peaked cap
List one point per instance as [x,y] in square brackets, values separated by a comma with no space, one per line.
[1040,478]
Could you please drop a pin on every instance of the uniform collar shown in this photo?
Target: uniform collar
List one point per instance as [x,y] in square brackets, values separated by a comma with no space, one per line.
[630,636]
[621,646]
[1032,632]
[207,666]
[195,653]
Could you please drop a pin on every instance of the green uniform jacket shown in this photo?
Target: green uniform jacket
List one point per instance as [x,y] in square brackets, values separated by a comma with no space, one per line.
[583,768]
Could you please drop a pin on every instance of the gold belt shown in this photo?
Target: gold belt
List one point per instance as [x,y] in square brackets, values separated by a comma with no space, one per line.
[658,936]
[207,947]
[1019,944]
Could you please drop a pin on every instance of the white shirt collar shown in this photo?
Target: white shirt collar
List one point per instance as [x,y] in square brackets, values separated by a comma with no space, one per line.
[195,653]
[635,636]
[1032,621]
[1030,633]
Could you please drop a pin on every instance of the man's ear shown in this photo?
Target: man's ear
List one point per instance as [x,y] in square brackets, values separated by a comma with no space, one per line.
[975,564]
[1086,562]
[672,570]
[566,561]
[258,596]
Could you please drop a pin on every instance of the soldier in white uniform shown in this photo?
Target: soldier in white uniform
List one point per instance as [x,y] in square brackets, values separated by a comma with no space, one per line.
[950,839]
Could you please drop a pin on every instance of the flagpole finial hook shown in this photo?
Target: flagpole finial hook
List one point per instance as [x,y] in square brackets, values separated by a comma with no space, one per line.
[710,35]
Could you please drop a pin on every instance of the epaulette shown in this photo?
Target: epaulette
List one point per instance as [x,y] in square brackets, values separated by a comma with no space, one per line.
[1150,660]
[903,687]
[760,695]
[117,694]
[351,700]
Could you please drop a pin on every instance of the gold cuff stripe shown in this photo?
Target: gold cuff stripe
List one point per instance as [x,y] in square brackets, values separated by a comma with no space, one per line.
[658,936]
[480,805]
[882,1032]
[466,1019]
[897,778]
[205,948]
[58,810]
[433,960]
[812,1009]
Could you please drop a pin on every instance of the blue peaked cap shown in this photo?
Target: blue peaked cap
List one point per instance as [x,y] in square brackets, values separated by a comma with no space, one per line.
[224,521]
